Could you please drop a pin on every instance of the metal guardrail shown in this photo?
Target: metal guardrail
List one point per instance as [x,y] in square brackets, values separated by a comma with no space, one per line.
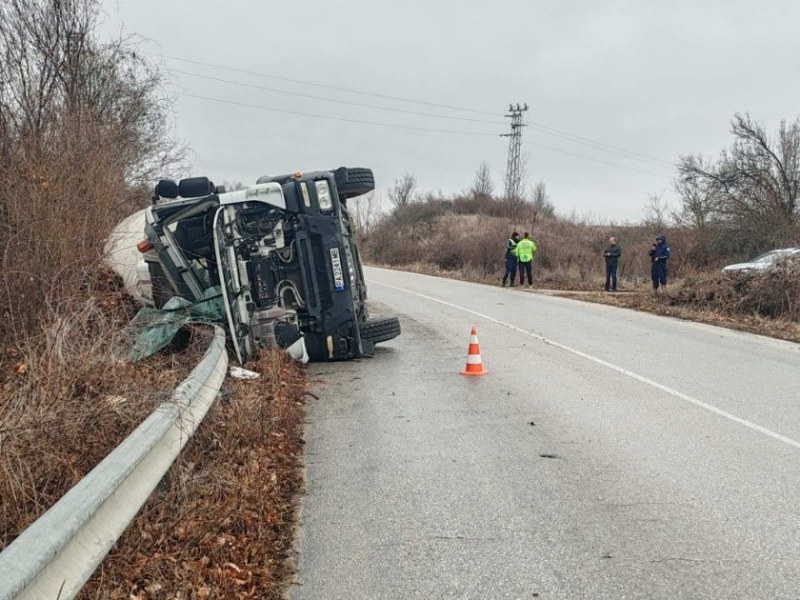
[56,555]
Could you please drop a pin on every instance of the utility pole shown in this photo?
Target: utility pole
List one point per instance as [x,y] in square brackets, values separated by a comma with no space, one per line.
[514,166]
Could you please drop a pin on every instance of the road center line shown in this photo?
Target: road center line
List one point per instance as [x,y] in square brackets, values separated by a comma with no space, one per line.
[613,367]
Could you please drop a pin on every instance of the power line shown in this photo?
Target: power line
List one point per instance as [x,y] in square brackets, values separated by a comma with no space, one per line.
[324,86]
[407,127]
[596,144]
[597,160]
[599,145]
[331,118]
[547,130]
[334,100]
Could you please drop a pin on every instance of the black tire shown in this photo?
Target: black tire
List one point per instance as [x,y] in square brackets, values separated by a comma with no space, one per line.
[381,329]
[354,182]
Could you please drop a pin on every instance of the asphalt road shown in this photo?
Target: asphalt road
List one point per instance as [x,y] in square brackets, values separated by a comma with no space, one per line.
[607,454]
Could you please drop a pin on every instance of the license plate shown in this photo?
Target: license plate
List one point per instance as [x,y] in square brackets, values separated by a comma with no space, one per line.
[338,273]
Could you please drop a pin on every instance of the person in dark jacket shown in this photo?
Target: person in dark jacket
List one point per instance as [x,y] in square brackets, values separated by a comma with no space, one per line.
[612,254]
[659,254]
[511,258]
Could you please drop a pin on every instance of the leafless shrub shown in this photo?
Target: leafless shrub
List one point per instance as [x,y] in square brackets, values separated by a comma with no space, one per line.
[83,125]
[402,191]
[775,293]
[750,195]
[364,213]
[469,235]
[540,201]
[657,213]
[482,185]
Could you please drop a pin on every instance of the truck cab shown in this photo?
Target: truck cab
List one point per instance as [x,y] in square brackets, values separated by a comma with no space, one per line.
[283,254]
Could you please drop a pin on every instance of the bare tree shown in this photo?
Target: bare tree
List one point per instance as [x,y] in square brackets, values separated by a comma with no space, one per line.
[60,83]
[364,213]
[657,212]
[754,186]
[402,192]
[482,186]
[540,200]
[697,198]
[84,125]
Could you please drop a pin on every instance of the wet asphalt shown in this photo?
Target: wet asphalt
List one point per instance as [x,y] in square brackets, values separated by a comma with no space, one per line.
[607,454]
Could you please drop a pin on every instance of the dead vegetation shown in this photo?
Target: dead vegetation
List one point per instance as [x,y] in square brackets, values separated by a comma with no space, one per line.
[731,210]
[83,128]
[766,303]
[81,124]
[438,235]
[67,401]
[222,524]
[773,294]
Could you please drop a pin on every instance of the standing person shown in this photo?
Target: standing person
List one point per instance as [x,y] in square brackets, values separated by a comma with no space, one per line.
[612,254]
[511,259]
[659,254]
[525,251]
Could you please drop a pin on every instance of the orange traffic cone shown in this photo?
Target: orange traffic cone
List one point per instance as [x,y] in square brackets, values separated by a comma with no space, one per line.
[474,364]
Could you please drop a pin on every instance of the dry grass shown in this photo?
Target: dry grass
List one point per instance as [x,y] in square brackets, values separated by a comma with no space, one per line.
[774,294]
[222,524]
[435,239]
[570,250]
[81,126]
[766,305]
[68,398]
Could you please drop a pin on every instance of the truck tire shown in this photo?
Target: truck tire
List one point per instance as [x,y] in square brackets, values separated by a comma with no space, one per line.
[354,182]
[381,329]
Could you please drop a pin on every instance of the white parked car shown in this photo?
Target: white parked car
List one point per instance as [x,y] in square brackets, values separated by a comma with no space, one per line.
[763,262]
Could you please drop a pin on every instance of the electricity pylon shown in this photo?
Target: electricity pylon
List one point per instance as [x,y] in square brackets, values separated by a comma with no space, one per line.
[514,166]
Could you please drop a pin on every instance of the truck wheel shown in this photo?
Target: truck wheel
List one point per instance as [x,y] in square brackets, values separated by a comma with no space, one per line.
[354,182]
[381,329]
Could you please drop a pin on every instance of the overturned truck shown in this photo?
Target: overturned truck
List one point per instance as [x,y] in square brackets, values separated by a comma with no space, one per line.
[282,252]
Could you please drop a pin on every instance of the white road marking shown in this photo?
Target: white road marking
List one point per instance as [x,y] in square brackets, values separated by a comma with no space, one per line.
[613,367]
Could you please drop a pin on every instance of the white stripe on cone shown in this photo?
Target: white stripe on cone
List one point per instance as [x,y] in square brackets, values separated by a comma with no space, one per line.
[473,359]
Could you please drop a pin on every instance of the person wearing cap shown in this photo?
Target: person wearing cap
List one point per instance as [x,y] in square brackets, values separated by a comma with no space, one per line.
[526,248]
[511,259]
[659,254]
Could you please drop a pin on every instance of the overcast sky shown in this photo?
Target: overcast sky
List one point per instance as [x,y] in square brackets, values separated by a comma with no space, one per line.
[658,79]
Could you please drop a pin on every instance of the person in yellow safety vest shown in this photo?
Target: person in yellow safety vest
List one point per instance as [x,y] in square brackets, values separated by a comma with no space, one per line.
[511,259]
[525,251]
